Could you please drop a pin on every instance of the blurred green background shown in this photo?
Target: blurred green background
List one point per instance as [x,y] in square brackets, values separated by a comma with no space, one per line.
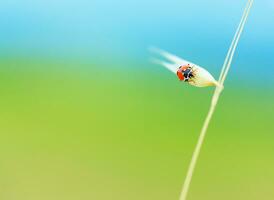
[85,115]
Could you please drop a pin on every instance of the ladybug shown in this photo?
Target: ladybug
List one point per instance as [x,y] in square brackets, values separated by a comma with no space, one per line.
[185,73]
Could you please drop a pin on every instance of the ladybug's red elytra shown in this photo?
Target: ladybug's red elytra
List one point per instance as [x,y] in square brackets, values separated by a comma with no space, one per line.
[184,73]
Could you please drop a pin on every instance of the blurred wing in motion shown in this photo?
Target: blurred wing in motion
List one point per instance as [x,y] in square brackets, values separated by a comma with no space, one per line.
[175,61]
[171,67]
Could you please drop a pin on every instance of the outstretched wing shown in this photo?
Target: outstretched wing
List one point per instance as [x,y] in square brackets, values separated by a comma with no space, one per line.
[175,61]
[170,66]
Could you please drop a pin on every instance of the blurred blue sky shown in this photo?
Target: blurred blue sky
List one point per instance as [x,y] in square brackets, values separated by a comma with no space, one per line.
[198,30]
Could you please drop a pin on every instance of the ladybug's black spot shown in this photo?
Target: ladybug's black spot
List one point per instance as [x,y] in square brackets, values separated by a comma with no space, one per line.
[188,74]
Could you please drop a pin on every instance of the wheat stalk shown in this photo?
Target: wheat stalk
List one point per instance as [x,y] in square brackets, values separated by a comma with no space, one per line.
[215,97]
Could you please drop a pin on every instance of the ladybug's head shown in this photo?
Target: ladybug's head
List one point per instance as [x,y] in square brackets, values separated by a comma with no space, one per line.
[180,72]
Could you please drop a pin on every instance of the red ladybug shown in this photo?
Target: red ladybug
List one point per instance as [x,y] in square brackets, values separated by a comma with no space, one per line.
[184,73]
[187,72]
